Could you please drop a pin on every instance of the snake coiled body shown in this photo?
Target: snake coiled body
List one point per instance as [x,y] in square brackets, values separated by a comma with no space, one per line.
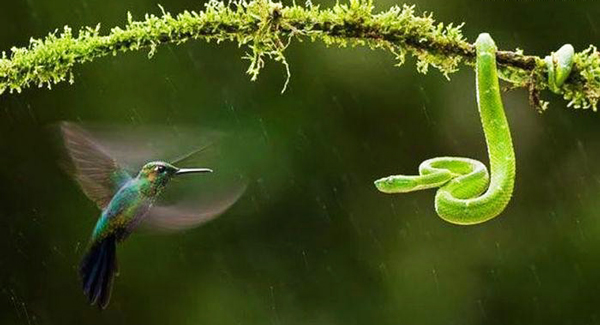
[467,194]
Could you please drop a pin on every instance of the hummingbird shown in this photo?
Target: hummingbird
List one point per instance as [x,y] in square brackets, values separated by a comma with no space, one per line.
[126,200]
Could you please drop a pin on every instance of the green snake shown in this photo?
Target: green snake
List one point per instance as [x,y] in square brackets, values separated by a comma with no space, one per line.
[467,193]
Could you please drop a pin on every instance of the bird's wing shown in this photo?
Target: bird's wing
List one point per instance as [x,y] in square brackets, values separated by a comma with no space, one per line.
[181,216]
[97,173]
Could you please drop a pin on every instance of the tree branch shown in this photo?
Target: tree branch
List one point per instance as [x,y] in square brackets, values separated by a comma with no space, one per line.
[266,28]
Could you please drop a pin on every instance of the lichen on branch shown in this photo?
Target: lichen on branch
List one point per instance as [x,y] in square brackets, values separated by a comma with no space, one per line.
[265,28]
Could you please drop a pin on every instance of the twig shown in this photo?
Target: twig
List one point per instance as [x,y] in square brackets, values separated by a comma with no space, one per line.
[266,27]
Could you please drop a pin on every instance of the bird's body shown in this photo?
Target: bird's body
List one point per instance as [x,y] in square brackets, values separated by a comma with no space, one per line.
[134,198]
[124,211]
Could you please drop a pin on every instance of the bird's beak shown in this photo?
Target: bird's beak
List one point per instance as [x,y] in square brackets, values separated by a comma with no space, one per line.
[182,171]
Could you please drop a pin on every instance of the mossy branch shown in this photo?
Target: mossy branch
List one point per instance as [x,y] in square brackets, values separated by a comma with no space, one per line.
[267,27]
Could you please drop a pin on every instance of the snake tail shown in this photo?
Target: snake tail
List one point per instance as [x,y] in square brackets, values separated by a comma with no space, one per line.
[559,65]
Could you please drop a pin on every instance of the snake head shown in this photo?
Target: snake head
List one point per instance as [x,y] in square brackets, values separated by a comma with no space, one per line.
[396,184]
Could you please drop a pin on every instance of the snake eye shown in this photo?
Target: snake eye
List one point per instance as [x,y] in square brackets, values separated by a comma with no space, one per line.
[160,169]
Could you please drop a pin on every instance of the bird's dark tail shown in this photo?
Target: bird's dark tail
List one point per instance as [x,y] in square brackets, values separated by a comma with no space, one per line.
[97,271]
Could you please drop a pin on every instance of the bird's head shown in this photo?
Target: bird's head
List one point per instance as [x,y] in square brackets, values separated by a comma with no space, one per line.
[157,175]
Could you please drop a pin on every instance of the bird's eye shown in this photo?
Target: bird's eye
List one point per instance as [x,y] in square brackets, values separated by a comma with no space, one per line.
[160,168]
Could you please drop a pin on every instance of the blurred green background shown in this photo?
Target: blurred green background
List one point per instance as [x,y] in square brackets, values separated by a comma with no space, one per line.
[311,241]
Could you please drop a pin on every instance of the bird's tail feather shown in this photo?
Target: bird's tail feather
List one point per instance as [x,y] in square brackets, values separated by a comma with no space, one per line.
[97,271]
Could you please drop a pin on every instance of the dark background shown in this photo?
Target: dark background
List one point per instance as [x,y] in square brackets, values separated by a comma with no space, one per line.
[311,241]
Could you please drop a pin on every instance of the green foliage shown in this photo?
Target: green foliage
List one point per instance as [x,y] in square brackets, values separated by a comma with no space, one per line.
[585,94]
[266,28]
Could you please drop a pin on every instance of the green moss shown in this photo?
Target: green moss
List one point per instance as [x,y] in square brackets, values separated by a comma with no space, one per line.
[585,94]
[265,28]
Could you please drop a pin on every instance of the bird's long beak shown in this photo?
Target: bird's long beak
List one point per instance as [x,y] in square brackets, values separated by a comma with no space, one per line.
[182,171]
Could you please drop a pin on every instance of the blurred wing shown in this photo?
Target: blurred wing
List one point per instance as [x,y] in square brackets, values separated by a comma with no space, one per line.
[96,172]
[181,217]
[134,145]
